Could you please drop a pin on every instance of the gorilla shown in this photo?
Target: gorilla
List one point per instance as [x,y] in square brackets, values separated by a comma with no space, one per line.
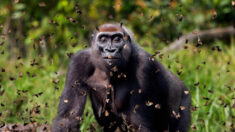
[129,89]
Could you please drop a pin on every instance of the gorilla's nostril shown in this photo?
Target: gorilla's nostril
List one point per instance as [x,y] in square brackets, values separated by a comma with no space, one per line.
[110,50]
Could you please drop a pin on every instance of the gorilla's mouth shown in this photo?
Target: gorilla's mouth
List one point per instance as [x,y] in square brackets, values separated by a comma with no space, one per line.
[110,58]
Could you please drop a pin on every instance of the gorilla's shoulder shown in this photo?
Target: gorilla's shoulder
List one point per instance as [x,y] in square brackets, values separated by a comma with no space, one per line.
[82,54]
[144,57]
[82,58]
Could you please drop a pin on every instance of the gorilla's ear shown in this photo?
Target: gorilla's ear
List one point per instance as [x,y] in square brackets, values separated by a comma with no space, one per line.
[127,37]
[121,23]
[97,29]
[92,37]
[94,33]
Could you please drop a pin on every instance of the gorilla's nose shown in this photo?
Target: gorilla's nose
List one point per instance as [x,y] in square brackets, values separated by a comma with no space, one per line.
[110,50]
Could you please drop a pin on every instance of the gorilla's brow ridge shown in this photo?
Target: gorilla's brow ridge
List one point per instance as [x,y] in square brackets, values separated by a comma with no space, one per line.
[110,33]
[109,29]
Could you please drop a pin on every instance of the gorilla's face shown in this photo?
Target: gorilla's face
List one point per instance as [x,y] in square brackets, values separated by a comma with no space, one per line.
[110,46]
[113,47]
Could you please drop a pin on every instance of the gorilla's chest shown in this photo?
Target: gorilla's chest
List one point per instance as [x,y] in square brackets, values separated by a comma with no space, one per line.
[104,92]
[98,81]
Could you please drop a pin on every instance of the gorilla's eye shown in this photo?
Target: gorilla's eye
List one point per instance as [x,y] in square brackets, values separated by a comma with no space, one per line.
[117,39]
[103,39]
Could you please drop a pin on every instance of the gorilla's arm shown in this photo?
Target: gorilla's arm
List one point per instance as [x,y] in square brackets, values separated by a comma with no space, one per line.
[73,98]
[177,98]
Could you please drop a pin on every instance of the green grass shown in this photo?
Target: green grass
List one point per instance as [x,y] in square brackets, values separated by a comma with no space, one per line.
[216,82]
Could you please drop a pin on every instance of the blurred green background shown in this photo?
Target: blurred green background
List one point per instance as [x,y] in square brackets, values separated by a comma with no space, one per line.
[38,37]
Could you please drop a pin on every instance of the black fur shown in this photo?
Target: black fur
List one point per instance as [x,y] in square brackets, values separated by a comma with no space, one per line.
[140,96]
